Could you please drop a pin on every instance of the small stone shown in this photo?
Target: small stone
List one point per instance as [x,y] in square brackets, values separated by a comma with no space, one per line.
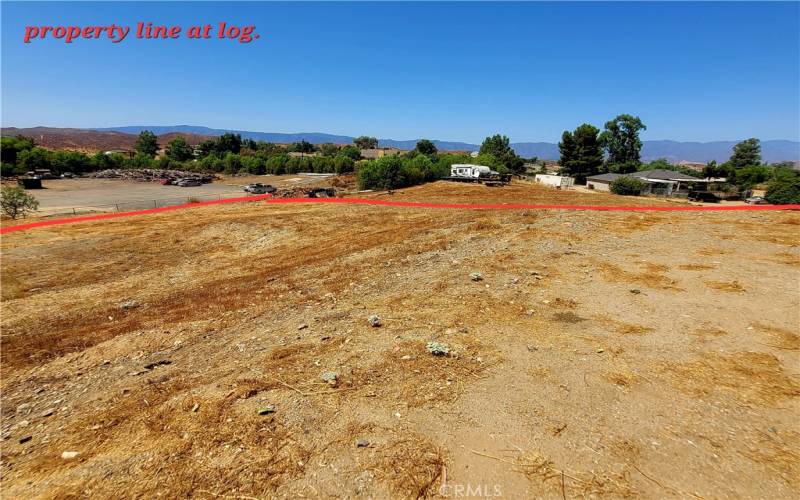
[69,455]
[362,443]
[331,378]
[476,276]
[25,439]
[636,291]
[406,357]
[600,350]
[267,410]
[195,407]
[47,413]
[302,326]
[129,304]
[374,321]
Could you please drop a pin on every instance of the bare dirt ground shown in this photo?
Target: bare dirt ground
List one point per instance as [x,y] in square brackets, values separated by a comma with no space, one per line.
[602,354]
[110,194]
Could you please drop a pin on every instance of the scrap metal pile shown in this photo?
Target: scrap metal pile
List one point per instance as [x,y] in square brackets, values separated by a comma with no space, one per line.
[304,192]
[149,174]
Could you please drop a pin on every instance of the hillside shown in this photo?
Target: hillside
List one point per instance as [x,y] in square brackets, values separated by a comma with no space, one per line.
[91,141]
[124,138]
[596,354]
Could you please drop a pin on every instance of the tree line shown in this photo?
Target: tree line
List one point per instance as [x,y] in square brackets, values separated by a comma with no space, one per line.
[587,151]
[230,154]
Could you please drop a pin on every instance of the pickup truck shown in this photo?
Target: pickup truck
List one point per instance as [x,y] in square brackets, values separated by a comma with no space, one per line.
[258,188]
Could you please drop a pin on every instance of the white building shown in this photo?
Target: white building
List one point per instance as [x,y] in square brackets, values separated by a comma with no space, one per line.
[556,181]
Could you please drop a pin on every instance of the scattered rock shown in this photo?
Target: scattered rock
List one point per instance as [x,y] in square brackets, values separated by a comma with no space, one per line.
[476,276]
[69,455]
[150,366]
[636,291]
[331,378]
[267,410]
[374,321]
[195,407]
[48,413]
[25,439]
[129,304]
[406,357]
[438,349]
[600,350]
[302,326]
[362,443]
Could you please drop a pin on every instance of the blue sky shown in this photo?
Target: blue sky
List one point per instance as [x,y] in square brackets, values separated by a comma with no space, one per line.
[449,71]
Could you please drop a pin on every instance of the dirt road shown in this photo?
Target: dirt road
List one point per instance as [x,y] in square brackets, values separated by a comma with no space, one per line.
[610,354]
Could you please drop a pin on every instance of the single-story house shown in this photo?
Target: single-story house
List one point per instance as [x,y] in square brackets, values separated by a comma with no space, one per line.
[602,182]
[556,181]
[657,181]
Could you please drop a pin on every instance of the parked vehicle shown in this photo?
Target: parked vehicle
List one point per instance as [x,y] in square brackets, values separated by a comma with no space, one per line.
[188,182]
[258,188]
[756,200]
[67,175]
[703,196]
[477,173]
[165,182]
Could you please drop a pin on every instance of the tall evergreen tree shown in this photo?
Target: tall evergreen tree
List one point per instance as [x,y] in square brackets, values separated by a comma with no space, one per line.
[747,152]
[147,144]
[581,152]
[622,143]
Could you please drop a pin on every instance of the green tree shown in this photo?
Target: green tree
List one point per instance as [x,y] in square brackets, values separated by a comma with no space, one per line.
[147,144]
[228,143]
[70,161]
[747,152]
[784,188]
[627,186]
[35,158]
[328,149]
[16,202]
[426,147]
[566,148]
[622,143]
[581,152]
[351,152]
[364,142]
[179,150]
[343,164]
[500,148]
[10,147]
[141,160]
[302,147]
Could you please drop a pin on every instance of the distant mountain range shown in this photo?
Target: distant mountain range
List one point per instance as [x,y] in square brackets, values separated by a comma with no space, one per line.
[107,138]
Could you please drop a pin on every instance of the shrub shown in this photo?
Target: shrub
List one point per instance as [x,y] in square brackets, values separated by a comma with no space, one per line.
[627,186]
[784,188]
[16,202]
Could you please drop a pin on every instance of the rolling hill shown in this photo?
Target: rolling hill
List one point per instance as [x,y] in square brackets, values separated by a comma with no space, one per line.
[90,140]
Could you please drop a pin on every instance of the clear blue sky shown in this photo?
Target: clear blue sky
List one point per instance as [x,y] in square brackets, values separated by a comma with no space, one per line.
[450,71]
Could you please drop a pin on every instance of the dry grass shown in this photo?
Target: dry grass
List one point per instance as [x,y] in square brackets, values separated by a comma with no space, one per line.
[733,286]
[652,276]
[412,466]
[750,377]
[779,337]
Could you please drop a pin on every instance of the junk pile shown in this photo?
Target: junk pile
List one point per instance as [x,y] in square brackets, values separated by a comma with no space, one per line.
[304,192]
[150,175]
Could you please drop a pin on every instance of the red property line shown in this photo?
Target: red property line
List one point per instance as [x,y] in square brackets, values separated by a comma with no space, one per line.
[389,203]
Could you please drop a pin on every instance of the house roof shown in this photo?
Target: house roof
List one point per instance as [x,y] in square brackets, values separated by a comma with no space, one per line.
[664,175]
[604,177]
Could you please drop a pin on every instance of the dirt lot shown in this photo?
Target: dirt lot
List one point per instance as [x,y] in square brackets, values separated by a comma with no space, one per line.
[598,354]
[107,194]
